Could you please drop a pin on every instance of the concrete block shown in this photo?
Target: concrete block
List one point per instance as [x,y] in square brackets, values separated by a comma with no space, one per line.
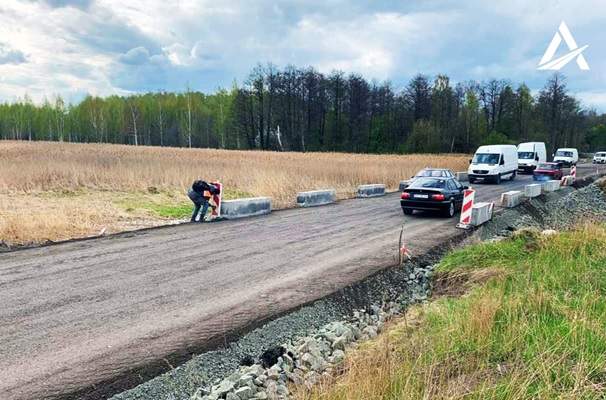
[551,186]
[568,180]
[533,190]
[511,199]
[462,176]
[316,198]
[481,213]
[249,207]
[371,190]
[404,184]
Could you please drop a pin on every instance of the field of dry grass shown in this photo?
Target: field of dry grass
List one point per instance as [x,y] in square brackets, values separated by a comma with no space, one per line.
[56,191]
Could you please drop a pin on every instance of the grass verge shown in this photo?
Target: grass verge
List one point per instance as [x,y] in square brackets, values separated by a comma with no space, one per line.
[524,318]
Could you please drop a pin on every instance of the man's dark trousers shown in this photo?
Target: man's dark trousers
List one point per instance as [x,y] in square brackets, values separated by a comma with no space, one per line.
[199,202]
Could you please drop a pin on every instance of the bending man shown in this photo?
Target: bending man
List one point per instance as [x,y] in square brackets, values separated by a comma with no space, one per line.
[199,194]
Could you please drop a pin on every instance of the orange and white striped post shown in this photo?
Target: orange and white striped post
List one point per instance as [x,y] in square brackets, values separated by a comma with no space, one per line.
[216,210]
[468,198]
[573,172]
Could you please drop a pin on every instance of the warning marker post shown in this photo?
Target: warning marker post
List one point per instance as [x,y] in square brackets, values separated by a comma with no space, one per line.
[468,198]
[216,198]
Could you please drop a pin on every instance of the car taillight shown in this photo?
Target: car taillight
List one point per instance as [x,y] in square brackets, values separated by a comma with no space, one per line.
[438,197]
[405,195]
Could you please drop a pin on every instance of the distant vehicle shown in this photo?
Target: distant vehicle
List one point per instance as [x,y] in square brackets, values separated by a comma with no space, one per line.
[599,157]
[493,163]
[548,171]
[530,155]
[428,172]
[566,156]
[433,194]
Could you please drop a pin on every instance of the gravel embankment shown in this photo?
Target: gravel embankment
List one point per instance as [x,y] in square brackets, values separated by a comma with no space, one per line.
[550,211]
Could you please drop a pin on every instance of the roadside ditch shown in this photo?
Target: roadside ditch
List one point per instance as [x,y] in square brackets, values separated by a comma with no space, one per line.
[302,346]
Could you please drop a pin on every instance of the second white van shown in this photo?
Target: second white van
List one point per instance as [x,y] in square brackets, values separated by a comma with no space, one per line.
[494,163]
[530,155]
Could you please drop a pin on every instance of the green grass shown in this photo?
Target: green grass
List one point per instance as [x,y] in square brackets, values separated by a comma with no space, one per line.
[532,326]
[167,204]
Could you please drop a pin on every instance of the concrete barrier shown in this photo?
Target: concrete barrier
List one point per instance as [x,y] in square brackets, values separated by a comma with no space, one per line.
[568,180]
[462,177]
[550,186]
[404,184]
[371,190]
[241,208]
[316,198]
[533,190]
[481,213]
[511,199]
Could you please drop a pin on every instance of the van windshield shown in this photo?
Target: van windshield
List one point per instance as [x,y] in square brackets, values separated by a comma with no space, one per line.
[485,158]
[562,153]
[525,155]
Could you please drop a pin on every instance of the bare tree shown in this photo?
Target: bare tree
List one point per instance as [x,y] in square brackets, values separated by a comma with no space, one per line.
[189,120]
[134,114]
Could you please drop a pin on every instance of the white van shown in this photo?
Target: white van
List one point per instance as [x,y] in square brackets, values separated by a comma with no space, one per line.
[493,163]
[530,155]
[566,156]
[599,157]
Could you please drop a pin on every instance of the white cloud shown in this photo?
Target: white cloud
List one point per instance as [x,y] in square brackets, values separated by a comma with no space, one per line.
[135,56]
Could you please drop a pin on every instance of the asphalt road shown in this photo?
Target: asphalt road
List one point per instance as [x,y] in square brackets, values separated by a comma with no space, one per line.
[78,315]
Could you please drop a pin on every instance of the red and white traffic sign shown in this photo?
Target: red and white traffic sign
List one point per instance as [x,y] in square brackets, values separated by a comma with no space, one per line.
[468,198]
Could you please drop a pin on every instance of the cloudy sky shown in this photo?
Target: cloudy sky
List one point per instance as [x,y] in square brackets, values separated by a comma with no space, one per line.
[103,47]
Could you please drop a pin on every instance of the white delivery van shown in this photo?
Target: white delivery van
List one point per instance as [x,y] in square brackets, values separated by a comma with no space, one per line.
[566,156]
[493,163]
[599,157]
[530,155]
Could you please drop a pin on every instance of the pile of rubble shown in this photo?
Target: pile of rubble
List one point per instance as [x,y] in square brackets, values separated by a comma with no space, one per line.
[306,360]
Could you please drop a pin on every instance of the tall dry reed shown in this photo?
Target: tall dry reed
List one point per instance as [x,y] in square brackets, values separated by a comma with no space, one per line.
[44,166]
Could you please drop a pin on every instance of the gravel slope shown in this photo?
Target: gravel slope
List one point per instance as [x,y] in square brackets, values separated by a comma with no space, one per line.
[82,317]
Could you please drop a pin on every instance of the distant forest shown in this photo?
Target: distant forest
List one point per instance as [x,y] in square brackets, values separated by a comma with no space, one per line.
[297,109]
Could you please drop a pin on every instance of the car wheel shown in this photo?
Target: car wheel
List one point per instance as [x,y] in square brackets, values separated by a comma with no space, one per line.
[513,176]
[407,211]
[450,211]
[497,180]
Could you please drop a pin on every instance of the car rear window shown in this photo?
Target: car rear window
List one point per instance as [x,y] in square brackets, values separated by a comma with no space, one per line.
[548,166]
[431,183]
[430,173]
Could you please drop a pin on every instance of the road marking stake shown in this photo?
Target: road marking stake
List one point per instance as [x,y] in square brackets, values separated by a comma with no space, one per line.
[216,211]
[404,254]
[468,197]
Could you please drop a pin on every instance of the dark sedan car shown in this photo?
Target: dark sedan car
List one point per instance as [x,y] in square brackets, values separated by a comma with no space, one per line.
[433,194]
[548,171]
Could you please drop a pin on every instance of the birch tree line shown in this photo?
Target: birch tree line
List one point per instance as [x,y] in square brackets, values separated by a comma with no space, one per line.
[301,109]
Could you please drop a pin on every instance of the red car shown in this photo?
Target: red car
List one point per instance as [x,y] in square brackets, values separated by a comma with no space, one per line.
[548,171]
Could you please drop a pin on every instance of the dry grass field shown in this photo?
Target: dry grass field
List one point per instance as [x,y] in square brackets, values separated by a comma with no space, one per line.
[56,191]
